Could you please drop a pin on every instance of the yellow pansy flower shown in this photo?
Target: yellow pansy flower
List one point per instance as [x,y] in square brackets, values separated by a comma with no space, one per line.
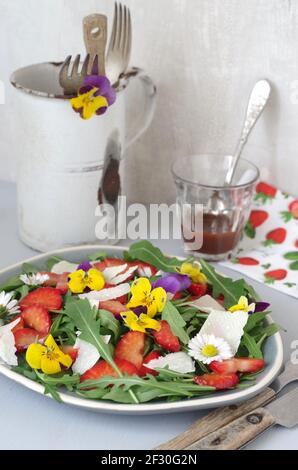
[143,295]
[140,323]
[79,280]
[243,306]
[48,357]
[193,270]
[88,104]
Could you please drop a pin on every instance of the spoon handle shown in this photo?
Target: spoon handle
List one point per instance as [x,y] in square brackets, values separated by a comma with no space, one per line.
[257,102]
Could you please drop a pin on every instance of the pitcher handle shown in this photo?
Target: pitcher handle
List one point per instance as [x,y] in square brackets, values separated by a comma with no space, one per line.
[143,120]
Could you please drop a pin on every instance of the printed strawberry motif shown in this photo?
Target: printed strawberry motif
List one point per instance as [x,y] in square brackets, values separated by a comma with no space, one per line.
[292,212]
[275,237]
[265,192]
[275,275]
[256,219]
[237,364]
[165,338]
[246,261]
[145,370]
[131,348]
[219,381]
[296,244]
[47,297]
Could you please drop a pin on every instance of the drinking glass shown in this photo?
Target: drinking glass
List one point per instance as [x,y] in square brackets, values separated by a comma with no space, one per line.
[218,212]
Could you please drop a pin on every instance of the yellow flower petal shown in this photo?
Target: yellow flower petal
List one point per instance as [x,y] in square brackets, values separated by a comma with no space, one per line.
[149,323]
[131,320]
[51,344]
[194,272]
[34,354]
[77,283]
[50,366]
[77,103]
[160,298]
[95,279]
[141,287]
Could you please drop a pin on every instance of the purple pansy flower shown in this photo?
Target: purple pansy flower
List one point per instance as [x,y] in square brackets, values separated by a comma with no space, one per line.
[104,89]
[173,282]
[261,307]
[85,266]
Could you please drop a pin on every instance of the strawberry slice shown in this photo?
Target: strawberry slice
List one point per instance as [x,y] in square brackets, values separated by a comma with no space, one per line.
[123,299]
[219,381]
[237,364]
[103,369]
[113,306]
[53,279]
[165,338]
[145,370]
[24,337]
[47,297]
[197,290]
[37,318]
[20,325]
[131,348]
[70,350]
[60,281]
[145,269]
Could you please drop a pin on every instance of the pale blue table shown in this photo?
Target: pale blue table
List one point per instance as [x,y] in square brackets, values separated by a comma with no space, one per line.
[30,421]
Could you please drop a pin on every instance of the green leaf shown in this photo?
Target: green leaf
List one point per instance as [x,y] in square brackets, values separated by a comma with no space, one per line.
[254,319]
[250,344]
[146,252]
[221,285]
[292,255]
[98,256]
[109,322]
[28,268]
[176,322]
[11,284]
[82,315]
[22,291]
[294,266]
[249,230]
[52,261]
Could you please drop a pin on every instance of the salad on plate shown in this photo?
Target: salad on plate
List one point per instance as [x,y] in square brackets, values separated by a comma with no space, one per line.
[140,329]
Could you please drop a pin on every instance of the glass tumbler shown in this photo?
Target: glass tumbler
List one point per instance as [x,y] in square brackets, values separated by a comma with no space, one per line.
[216,213]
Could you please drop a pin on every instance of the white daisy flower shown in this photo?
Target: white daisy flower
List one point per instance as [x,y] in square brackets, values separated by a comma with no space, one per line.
[8,306]
[36,279]
[208,348]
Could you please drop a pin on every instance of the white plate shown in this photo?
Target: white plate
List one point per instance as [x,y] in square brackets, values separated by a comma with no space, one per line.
[273,355]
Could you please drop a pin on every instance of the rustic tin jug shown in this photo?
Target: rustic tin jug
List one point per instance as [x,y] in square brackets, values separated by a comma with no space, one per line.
[67,166]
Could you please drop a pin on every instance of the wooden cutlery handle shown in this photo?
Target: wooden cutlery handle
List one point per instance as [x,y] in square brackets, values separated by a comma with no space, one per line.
[216,420]
[95,36]
[238,433]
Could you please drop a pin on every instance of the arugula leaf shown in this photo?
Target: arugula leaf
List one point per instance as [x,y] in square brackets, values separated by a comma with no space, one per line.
[98,256]
[221,285]
[28,268]
[52,261]
[251,345]
[11,284]
[146,252]
[176,322]
[22,291]
[254,319]
[82,315]
[109,322]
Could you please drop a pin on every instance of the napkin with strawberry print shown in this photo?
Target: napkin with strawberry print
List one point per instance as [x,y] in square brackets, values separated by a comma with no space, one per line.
[268,251]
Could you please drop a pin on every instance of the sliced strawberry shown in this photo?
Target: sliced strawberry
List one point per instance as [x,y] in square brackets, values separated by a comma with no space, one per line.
[177,296]
[165,338]
[275,275]
[24,337]
[37,318]
[112,262]
[103,369]
[101,265]
[198,290]
[123,299]
[266,191]
[53,279]
[145,370]
[70,350]
[276,236]
[237,364]
[145,269]
[219,381]
[246,261]
[113,306]
[20,325]
[47,297]
[62,284]
[131,348]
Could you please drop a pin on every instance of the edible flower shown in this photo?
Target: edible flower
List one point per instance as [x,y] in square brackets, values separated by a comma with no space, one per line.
[8,306]
[35,279]
[173,282]
[141,322]
[85,266]
[208,348]
[144,296]
[94,97]
[261,307]
[243,306]
[193,270]
[80,280]
[48,357]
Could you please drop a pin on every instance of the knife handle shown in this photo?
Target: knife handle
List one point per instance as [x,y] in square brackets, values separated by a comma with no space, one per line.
[215,420]
[238,433]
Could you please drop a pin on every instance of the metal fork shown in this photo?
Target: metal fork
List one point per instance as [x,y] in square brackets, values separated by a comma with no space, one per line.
[72,80]
[119,51]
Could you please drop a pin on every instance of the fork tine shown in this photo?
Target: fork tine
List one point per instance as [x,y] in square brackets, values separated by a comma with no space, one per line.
[120,27]
[115,25]
[129,39]
[95,67]
[126,36]
[85,66]
[63,75]
[76,64]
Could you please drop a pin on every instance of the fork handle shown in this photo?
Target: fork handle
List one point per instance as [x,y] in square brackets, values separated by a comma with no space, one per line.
[95,36]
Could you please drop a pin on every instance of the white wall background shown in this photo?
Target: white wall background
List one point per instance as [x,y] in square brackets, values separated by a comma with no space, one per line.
[204,55]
